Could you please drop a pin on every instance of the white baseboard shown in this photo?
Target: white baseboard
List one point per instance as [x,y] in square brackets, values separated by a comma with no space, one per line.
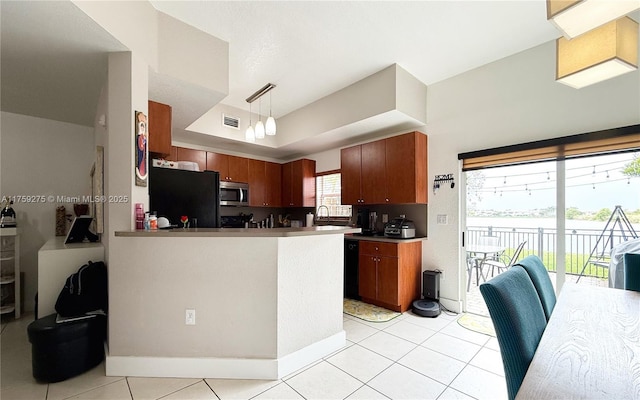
[225,368]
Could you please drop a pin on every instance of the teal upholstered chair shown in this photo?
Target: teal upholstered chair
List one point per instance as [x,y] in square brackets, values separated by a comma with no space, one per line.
[541,281]
[519,321]
[632,271]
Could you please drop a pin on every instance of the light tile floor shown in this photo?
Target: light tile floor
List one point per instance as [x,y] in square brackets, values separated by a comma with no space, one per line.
[409,357]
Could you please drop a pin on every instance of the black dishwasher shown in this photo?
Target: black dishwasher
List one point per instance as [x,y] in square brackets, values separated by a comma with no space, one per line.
[351,269]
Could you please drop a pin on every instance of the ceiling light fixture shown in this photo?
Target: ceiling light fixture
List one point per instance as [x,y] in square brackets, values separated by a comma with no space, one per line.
[259,124]
[576,17]
[249,134]
[261,129]
[270,126]
[599,54]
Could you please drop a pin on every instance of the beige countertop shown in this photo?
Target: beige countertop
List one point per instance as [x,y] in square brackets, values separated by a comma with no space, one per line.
[383,239]
[241,232]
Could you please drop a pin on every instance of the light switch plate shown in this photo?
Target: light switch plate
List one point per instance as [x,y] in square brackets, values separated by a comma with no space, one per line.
[190,317]
[442,219]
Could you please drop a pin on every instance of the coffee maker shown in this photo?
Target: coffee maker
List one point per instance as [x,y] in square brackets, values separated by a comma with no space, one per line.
[367,221]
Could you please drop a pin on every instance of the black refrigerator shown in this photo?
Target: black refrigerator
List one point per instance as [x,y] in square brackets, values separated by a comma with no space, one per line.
[176,192]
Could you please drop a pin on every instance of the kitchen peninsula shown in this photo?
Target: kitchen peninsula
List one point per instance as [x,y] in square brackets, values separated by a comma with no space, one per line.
[266,301]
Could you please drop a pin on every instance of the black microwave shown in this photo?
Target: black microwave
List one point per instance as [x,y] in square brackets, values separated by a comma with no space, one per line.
[234,194]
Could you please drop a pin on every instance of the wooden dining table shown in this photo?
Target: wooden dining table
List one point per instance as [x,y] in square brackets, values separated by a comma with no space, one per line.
[590,348]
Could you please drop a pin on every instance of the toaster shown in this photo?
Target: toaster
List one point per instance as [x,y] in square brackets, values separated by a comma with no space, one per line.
[400,228]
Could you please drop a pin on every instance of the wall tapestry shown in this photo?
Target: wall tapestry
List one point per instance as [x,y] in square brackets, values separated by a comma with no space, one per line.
[141,149]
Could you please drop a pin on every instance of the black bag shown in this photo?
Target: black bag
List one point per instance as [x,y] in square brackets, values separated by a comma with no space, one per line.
[84,291]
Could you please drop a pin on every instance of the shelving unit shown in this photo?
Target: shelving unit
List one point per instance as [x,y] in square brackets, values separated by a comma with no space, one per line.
[9,271]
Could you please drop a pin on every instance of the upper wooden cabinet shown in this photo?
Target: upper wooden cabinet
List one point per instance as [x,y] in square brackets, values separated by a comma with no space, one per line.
[231,168]
[159,128]
[299,183]
[196,156]
[265,183]
[406,166]
[387,171]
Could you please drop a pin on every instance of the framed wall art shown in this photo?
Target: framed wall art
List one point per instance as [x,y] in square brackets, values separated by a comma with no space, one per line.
[142,154]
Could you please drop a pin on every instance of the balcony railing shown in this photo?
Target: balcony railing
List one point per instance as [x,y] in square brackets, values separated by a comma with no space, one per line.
[580,244]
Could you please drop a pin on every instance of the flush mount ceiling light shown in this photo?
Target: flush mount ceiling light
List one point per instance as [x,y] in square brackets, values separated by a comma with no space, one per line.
[269,128]
[575,17]
[599,54]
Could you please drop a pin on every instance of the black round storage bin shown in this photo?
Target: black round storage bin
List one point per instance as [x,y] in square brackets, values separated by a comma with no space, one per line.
[62,350]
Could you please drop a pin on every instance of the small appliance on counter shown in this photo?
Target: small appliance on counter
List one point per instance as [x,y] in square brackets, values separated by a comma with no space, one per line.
[400,228]
[367,221]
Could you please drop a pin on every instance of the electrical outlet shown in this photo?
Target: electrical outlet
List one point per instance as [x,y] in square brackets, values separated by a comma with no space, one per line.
[385,218]
[190,317]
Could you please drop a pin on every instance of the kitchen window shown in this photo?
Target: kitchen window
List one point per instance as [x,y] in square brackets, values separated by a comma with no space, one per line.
[328,195]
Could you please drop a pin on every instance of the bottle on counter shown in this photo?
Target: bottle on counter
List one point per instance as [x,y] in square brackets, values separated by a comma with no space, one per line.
[147,221]
[153,222]
[139,216]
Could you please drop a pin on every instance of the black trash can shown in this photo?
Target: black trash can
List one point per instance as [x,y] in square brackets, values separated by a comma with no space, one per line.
[60,351]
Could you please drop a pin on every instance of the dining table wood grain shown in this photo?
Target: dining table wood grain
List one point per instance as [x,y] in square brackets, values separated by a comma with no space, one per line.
[590,348]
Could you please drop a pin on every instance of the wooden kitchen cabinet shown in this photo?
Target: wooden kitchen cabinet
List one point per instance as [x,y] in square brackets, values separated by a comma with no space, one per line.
[299,183]
[387,171]
[159,128]
[389,273]
[264,183]
[273,189]
[231,168]
[350,174]
[197,156]
[406,169]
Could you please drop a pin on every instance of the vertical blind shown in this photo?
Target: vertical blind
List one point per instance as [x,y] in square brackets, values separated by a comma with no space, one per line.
[328,194]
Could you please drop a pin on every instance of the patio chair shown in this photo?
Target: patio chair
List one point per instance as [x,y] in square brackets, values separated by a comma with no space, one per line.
[502,266]
[519,321]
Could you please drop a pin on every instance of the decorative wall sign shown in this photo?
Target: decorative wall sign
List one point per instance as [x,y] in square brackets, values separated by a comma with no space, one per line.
[140,141]
[442,179]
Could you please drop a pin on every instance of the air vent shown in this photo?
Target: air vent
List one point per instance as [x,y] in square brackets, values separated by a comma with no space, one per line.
[230,122]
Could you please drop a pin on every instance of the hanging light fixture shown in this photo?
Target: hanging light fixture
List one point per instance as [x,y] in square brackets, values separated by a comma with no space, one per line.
[259,124]
[261,129]
[599,54]
[249,134]
[576,17]
[271,122]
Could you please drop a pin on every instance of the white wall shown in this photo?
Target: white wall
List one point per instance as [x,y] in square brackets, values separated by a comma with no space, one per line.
[42,157]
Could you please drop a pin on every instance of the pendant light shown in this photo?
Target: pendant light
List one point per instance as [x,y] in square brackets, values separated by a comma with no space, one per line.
[575,17]
[600,54]
[271,122]
[249,134]
[261,129]
[259,124]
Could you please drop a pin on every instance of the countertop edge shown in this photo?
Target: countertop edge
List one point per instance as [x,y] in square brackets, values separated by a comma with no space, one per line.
[241,232]
[384,239]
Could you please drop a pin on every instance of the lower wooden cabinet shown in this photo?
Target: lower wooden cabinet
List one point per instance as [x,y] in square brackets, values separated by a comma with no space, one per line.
[389,273]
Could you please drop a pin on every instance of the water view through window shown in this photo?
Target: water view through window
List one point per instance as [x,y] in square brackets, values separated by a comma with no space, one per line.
[518,203]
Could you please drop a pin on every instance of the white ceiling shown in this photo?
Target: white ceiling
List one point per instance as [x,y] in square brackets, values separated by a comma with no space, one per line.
[54,58]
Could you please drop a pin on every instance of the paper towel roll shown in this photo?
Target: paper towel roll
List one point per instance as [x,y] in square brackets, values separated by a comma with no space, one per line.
[309,220]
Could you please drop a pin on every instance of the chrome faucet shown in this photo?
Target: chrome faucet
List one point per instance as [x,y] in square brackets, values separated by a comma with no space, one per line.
[318,213]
